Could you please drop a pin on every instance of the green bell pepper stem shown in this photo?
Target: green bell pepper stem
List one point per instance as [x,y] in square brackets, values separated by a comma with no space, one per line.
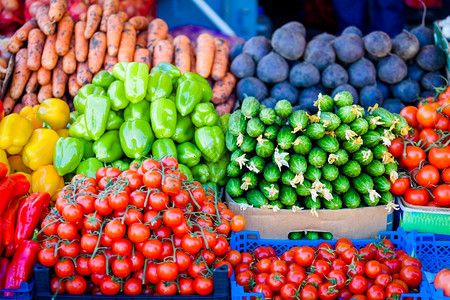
[136,81]
[73,116]
[223,121]
[107,148]
[170,69]
[163,116]
[205,115]
[137,111]
[189,94]
[79,101]
[218,170]
[96,115]
[184,130]
[114,121]
[206,87]
[67,155]
[119,70]
[159,85]
[186,171]
[200,173]
[89,167]
[188,154]
[116,93]
[164,147]
[88,151]
[78,129]
[210,141]
[103,79]
[121,165]
[136,138]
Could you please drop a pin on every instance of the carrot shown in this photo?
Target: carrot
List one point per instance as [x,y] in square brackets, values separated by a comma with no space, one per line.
[109,63]
[139,22]
[49,56]
[59,81]
[227,106]
[69,63]
[113,34]
[223,88]
[193,61]
[8,104]
[220,64]
[22,32]
[82,17]
[169,38]
[97,50]
[73,85]
[127,43]
[205,54]
[81,43]
[57,10]
[110,7]
[45,92]
[141,39]
[14,44]
[43,20]
[18,107]
[64,35]
[84,76]
[182,46]
[43,76]
[20,75]
[3,62]
[123,16]
[143,55]
[163,52]
[94,16]
[29,99]
[157,30]
[35,46]
[32,84]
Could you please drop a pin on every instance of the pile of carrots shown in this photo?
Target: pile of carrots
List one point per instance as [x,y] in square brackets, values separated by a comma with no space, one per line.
[55,56]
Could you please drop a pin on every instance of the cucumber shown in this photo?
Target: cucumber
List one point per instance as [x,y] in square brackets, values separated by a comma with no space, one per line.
[329,120]
[258,163]
[363,183]
[256,198]
[335,203]
[298,120]
[237,123]
[371,202]
[345,113]
[271,172]
[250,107]
[240,200]
[351,198]
[371,138]
[255,127]
[379,150]
[267,116]
[359,126]
[312,236]
[381,184]
[233,170]
[236,154]
[251,179]
[325,103]
[303,189]
[298,164]
[264,148]
[341,130]
[341,184]
[390,167]
[302,145]
[287,195]
[386,198]
[276,203]
[328,143]
[315,131]
[230,141]
[233,187]
[351,169]
[385,116]
[402,124]
[330,172]
[363,156]
[295,235]
[270,190]
[343,99]
[287,176]
[310,203]
[285,137]
[351,146]
[317,157]
[271,132]
[283,108]
[327,236]
[375,168]
[312,173]
[249,144]
[341,157]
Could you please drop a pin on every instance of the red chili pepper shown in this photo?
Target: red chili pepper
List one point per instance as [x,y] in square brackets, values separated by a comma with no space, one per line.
[30,212]
[7,186]
[22,265]
[1,232]
[22,184]
[3,170]
[4,263]
[9,221]
[10,250]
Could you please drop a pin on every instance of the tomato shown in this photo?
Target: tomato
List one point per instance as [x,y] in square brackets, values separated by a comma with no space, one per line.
[151,273]
[356,268]
[278,266]
[411,275]
[358,284]
[118,201]
[166,288]
[247,258]
[410,114]
[442,281]
[410,261]
[396,147]
[186,286]
[349,255]
[427,115]
[244,278]
[237,223]
[304,256]
[309,292]
[173,217]
[89,242]
[115,230]
[101,205]
[56,287]
[82,266]
[191,244]
[375,292]
[64,268]
[429,136]
[439,157]
[203,286]
[417,196]
[339,264]
[441,195]
[133,216]
[234,257]
[344,294]
[394,265]
[321,267]
[442,123]
[314,279]
[199,269]
[167,271]
[366,254]
[67,231]
[264,289]
[338,278]
[395,289]
[245,267]
[341,247]
[97,264]
[327,291]
[76,285]
[152,179]
[261,252]
[121,267]
[47,257]
[373,269]
[295,277]
[72,213]
[445,174]
[181,200]
[414,156]
[227,264]
[132,287]
[221,246]
[276,281]
[427,176]
[224,227]
[171,186]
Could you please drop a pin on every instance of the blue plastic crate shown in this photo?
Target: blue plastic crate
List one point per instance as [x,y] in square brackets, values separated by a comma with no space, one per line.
[24,292]
[249,240]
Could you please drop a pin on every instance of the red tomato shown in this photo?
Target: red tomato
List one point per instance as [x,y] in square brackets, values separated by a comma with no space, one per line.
[395,289]
[309,292]
[288,291]
[446,175]
[396,148]
[76,285]
[410,114]
[339,278]
[442,123]
[373,269]
[414,156]
[278,266]
[410,261]
[375,292]
[439,157]
[383,280]
[441,195]
[276,281]
[358,285]
[427,115]
[411,275]
[400,186]
[304,256]
[442,281]
[295,277]
[429,136]
[327,291]
[264,289]
[417,196]
[427,176]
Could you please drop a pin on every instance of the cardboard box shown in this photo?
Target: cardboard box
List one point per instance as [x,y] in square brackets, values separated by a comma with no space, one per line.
[358,223]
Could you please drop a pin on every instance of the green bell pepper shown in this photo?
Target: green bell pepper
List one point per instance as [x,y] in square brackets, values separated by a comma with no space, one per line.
[96,115]
[121,165]
[73,116]
[206,88]
[107,148]
[170,69]
[186,171]
[184,131]
[201,173]
[164,147]
[218,170]
[137,111]
[114,121]
[159,85]
[103,79]
[79,101]
[136,138]
[119,70]
[205,115]
[163,116]
[78,129]
[223,121]
[89,167]
[188,154]
[87,146]
[116,93]
[210,141]
[189,94]
[136,81]
[67,155]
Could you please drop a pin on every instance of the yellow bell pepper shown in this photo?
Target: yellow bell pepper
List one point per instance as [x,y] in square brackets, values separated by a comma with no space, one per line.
[46,179]
[63,132]
[15,131]
[30,113]
[39,149]
[55,112]
[16,164]
[4,159]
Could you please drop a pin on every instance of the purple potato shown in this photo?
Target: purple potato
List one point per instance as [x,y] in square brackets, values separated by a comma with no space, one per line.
[352,29]
[325,37]
[393,105]
[392,69]
[377,43]
[320,54]
[384,89]
[405,45]
[243,66]
[370,95]
[424,35]
[304,75]
[348,47]
[288,43]
[407,90]
[432,80]
[333,76]
[257,47]
[296,26]
[362,73]
[414,71]
[251,86]
[308,97]
[430,58]
[284,90]
[272,68]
